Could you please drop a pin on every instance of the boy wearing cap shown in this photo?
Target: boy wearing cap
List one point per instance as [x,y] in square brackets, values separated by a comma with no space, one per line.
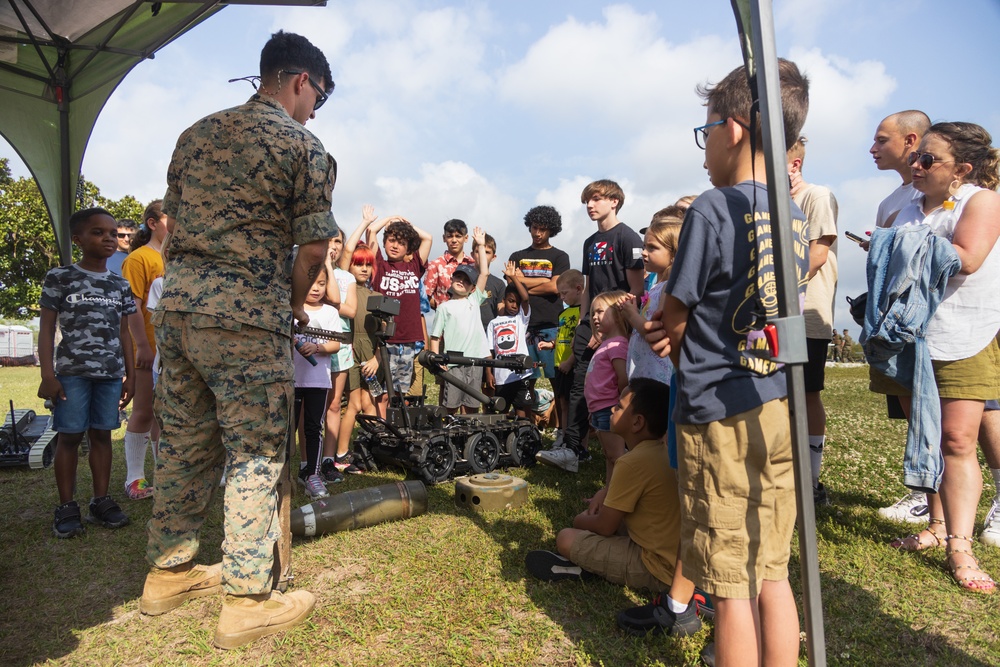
[458,322]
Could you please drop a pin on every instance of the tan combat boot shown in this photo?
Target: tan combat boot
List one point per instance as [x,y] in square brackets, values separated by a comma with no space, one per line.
[249,617]
[169,589]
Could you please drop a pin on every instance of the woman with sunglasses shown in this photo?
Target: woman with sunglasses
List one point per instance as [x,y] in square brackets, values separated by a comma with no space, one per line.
[956,169]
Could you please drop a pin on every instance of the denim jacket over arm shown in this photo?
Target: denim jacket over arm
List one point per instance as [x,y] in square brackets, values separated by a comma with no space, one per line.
[908,269]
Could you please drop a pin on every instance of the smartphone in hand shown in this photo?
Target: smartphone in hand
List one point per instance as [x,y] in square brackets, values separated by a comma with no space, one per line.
[854,237]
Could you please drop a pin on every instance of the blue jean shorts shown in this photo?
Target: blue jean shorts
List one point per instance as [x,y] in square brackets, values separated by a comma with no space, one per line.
[89,404]
[601,420]
[546,357]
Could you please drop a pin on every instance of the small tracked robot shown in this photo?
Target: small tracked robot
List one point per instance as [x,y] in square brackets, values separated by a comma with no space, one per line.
[26,439]
[425,438]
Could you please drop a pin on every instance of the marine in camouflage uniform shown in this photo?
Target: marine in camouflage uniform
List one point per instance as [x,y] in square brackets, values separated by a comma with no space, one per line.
[244,185]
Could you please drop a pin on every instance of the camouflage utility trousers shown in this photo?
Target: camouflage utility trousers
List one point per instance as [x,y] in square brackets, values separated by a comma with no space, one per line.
[226,390]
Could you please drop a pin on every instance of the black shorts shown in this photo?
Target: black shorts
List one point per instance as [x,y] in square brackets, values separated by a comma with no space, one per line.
[518,394]
[815,368]
[562,383]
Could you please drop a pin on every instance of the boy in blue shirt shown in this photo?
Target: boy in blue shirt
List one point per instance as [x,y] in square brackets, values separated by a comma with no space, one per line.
[735,453]
[85,382]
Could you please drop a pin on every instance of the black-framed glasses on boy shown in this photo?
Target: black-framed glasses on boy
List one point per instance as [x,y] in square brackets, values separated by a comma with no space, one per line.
[701,133]
[926,160]
[321,95]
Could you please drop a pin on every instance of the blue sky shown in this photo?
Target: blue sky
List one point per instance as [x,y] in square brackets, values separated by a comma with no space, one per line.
[481,110]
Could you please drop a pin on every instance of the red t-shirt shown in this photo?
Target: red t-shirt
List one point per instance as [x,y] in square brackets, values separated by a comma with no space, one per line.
[401,280]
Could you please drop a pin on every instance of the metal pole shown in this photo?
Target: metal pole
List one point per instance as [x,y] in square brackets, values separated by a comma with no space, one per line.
[772,126]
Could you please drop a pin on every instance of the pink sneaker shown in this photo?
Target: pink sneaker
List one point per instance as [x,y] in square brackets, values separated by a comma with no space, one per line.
[138,489]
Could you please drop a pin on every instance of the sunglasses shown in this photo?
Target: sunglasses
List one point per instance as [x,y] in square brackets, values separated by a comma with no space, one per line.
[124,235]
[322,97]
[925,160]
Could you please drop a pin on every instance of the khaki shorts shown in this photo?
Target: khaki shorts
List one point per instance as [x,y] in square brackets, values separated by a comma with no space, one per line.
[881,384]
[975,378]
[738,500]
[617,559]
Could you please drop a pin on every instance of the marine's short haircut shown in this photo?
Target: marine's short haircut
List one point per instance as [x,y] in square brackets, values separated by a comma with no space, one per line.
[604,188]
[288,51]
[911,121]
[570,278]
[80,218]
[648,400]
[544,217]
[731,98]
[455,226]
[403,232]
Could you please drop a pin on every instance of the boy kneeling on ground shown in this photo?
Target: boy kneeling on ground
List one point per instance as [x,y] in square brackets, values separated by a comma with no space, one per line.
[641,498]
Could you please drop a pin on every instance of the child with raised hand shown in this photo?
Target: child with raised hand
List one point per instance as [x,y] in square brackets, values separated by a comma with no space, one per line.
[606,374]
[458,322]
[507,335]
[366,378]
[141,267]
[342,294]
[312,382]
[90,376]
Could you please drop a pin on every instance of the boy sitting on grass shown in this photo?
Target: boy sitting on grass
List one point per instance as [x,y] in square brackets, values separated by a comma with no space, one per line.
[91,306]
[642,496]
[459,323]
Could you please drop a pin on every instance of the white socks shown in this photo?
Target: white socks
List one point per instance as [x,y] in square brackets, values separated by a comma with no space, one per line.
[675,606]
[816,443]
[135,455]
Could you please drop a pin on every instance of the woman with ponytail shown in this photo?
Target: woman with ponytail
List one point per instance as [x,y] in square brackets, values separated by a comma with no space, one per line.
[143,265]
[956,170]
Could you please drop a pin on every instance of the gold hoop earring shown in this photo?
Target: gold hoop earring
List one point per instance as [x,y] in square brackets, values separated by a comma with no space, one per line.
[953,187]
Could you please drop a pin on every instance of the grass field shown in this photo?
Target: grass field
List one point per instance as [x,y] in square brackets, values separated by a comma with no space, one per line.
[449,587]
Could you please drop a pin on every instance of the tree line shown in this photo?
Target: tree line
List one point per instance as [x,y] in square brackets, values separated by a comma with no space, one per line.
[28,246]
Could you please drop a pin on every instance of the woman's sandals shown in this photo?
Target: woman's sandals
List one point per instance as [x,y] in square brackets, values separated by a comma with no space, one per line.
[916,542]
[976,584]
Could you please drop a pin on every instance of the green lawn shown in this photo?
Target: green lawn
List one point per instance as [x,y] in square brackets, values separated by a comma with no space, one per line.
[449,587]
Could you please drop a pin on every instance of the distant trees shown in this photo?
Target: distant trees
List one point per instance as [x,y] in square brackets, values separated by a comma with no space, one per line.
[27,243]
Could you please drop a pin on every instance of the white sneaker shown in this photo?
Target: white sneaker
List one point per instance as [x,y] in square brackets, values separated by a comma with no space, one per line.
[911,508]
[991,527]
[564,458]
[315,488]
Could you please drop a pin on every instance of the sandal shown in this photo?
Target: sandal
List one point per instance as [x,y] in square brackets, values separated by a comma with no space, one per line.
[976,584]
[915,542]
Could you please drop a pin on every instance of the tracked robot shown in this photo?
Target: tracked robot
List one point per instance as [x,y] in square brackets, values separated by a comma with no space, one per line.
[26,439]
[424,438]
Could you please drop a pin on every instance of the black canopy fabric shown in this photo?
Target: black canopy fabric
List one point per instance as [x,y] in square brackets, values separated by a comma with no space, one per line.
[60,62]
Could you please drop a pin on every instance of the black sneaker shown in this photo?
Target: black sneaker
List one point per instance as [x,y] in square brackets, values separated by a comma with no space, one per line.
[345,464]
[105,512]
[656,617]
[328,471]
[549,566]
[67,522]
[820,499]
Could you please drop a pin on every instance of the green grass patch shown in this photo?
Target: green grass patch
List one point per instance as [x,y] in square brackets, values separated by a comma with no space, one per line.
[449,587]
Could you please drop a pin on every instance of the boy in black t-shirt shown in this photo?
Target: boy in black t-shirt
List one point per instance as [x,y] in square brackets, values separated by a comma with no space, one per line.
[539,267]
[92,374]
[612,260]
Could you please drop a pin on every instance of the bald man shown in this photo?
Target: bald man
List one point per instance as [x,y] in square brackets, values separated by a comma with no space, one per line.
[897,136]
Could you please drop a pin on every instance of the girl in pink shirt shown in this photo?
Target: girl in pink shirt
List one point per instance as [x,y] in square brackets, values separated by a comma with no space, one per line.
[606,377]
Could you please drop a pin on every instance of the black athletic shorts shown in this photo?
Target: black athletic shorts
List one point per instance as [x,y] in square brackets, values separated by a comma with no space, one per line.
[815,368]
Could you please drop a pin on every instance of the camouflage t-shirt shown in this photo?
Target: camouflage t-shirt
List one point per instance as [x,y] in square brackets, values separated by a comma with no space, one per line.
[90,307]
[244,185]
